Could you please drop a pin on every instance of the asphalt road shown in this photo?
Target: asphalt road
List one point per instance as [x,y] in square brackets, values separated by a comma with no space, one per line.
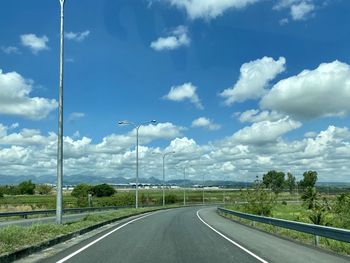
[188,235]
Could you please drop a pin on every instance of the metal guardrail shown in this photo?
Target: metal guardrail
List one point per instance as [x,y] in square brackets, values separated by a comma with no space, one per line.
[317,230]
[25,214]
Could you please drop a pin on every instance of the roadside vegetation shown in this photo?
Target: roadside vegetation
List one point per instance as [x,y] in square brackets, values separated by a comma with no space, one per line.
[313,208]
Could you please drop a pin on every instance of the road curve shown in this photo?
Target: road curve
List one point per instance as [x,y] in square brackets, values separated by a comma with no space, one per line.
[188,235]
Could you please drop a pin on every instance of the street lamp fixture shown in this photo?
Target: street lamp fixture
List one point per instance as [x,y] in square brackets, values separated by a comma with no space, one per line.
[137,126]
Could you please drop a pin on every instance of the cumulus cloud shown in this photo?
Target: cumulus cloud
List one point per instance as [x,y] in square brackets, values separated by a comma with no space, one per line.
[78,36]
[10,50]
[253,80]
[15,99]
[265,131]
[209,9]
[186,91]
[34,43]
[307,95]
[205,123]
[176,39]
[327,152]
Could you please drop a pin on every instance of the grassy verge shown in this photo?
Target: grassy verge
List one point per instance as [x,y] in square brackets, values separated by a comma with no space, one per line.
[13,238]
[293,213]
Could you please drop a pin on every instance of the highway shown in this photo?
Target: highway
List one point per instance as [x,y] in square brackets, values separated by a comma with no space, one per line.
[192,234]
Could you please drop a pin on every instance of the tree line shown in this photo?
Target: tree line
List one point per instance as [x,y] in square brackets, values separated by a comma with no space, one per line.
[278,181]
[25,188]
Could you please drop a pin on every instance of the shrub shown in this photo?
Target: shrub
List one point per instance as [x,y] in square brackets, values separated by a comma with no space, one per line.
[43,189]
[103,190]
[26,187]
[81,190]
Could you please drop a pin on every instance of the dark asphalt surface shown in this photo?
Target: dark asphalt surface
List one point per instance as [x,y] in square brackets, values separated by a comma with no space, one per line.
[178,235]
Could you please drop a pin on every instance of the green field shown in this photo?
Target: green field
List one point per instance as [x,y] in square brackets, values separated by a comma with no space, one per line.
[122,197]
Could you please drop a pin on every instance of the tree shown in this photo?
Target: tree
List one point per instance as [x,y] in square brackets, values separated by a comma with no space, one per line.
[274,180]
[103,190]
[318,208]
[259,201]
[342,209]
[290,182]
[310,179]
[81,190]
[43,189]
[310,196]
[26,188]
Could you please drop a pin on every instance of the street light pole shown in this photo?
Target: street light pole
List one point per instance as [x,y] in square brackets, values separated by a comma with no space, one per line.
[137,126]
[203,190]
[60,126]
[165,154]
[184,186]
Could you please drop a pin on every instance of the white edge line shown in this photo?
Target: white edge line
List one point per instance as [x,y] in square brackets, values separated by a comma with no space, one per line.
[231,241]
[100,238]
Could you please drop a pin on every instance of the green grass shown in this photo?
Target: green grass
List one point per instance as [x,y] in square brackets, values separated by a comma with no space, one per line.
[13,238]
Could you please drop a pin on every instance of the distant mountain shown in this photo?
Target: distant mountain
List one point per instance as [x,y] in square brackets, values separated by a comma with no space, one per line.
[96,179]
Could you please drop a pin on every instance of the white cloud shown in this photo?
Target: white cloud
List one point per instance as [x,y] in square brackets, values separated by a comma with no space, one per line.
[253,80]
[307,95]
[301,11]
[265,131]
[78,36]
[209,9]
[187,91]
[327,152]
[284,21]
[258,116]
[74,116]
[177,38]
[34,43]
[310,134]
[15,100]
[165,130]
[25,137]
[10,50]
[205,123]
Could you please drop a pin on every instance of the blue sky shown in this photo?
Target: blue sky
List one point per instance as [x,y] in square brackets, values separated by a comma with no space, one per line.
[238,87]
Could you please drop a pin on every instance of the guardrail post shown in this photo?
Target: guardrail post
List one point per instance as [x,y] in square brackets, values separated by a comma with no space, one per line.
[317,240]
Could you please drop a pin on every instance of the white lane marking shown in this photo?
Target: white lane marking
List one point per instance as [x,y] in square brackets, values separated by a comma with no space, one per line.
[231,241]
[100,238]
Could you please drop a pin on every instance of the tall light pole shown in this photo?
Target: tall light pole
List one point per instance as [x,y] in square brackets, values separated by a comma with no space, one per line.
[184,186]
[203,190]
[137,126]
[60,126]
[165,154]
